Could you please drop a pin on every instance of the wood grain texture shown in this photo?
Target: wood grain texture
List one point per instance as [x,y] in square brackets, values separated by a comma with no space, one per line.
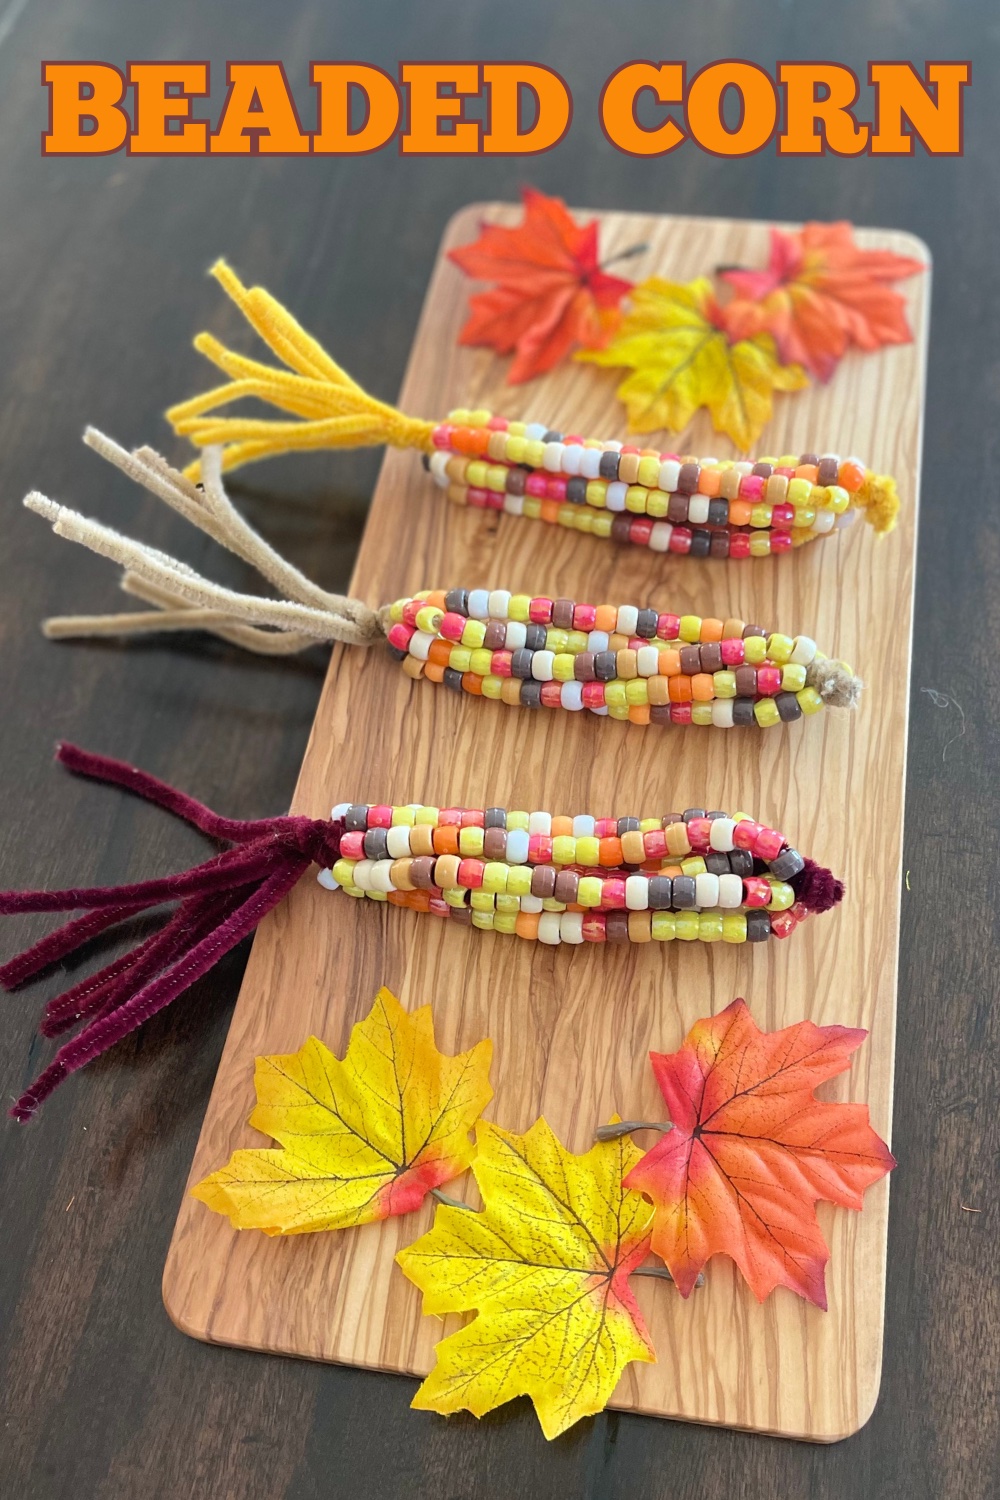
[572,1028]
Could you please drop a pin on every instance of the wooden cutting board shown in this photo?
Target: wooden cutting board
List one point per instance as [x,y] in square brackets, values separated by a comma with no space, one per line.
[572,1026]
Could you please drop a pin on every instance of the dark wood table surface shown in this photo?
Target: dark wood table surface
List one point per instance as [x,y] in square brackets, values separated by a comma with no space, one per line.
[101,284]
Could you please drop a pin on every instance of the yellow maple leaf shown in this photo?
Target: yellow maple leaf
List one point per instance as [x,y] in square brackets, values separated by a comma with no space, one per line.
[362,1139]
[676,340]
[546,1268]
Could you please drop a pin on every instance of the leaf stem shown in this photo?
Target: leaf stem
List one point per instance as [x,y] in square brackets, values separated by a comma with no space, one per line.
[626,1127]
[663,1274]
[449,1201]
[628,254]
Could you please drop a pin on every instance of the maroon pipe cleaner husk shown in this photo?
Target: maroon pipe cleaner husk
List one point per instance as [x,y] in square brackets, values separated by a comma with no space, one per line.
[219,903]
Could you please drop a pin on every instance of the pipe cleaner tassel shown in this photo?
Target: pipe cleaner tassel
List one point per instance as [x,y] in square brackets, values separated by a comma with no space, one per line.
[219,903]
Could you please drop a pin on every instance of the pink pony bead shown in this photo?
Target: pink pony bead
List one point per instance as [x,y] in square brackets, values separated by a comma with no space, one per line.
[500,663]
[470,874]
[584,617]
[555,488]
[451,626]
[781,541]
[613,895]
[745,834]
[751,487]
[668,627]
[380,817]
[783,516]
[655,845]
[768,844]
[497,424]
[450,817]
[438,907]
[478,497]
[680,540]
[472,817]
[605,828]
[539,849]
[739,544]
[641,531]
[352,846]
[441,436]
[699,834]
[594,928]
[733,652]
[756,891]
[537,485]
[783,924]
[768,681]
[680,713]
[540,611]
[400,636]
[593,695]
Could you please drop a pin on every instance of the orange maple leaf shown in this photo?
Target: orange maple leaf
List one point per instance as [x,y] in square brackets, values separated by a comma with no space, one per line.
[752,1151]
[820,294]
[551,294]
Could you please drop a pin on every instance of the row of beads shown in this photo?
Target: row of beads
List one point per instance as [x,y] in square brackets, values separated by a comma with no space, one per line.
[525,872]
[704,507]
[628,663]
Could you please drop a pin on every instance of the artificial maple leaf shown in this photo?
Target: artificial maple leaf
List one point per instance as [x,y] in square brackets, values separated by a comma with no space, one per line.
[677,341]
[551,295]
[362,1139]
[820,294]
[546,1267]
[752,1151]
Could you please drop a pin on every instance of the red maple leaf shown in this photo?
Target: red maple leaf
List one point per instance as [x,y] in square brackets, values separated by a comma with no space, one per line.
[551,295]
[752,1151]
[820,294]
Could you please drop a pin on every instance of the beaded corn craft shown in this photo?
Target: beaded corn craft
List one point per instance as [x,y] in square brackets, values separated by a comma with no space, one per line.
[620,661]
[665,501]
[695,876]
[692,876]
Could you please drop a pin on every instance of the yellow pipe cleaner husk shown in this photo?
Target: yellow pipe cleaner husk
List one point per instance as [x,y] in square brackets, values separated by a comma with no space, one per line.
[332,409]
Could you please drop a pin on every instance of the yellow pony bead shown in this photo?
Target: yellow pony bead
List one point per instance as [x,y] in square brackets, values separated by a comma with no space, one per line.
[352,890]
[519,608]
[343,871]
[619,711]
[555,639]
[793,677]
[664,925]
[650,825]
[614,695]
[532,507]
[396,610]
[551,904]
[597,493]
[690,629]
[657,504]
[636,692]
[799,491]
[473,634]
[588,851]
[375,895]
[534,453]
[454,896]
[635,499]
[475,474]
[518,820]
[780,648]
[505,902]
[837,499]
[460,658]
[484,920]
[649,472]
[755,650]
[426,817]
[564,849]
[403,817]
[710,927]
[505,922]
[481,417]
[701,713]
[687,926]
[576,641]
[760,544]
[693,866]
[601,525]
[516,448]
[481,900]
[588,891]
[760,516]
[470,842]
[494,876]
[480,662]
[496,477]
[734,927]
[724,683]
[809,700]
[493,687]
[765,711]
[563,667]
[519,880]
[782,896]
